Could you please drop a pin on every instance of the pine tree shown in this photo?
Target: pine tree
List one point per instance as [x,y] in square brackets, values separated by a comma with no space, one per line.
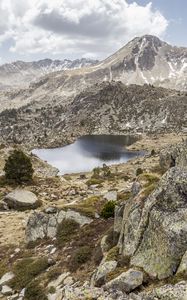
[18,167]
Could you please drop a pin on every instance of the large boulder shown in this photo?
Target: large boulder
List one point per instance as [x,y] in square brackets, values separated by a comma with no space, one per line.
[126,282]
[154,230]
[175,155]
[21,200]
[41,225]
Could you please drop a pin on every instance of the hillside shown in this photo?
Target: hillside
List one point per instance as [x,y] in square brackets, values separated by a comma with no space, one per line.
[106,108]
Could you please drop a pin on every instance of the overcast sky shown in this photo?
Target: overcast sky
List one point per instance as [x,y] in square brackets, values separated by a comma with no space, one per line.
[36,29]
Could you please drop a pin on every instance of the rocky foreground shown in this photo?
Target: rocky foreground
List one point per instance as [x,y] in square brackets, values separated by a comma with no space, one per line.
[56,243]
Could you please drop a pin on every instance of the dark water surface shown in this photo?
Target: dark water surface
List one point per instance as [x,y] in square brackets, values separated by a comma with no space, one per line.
[89,152]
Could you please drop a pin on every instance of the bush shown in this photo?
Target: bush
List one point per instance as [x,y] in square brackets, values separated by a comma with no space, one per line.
[153,152]
[108,210]
[139,171]
[80,257]
[66,230]
[35,292]
[18,167]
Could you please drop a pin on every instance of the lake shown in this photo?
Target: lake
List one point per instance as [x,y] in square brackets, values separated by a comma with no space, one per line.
[89,152]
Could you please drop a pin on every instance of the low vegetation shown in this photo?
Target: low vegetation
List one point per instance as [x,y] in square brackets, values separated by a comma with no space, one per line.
[34,291]
[26,270]
[66,230]
[80,257]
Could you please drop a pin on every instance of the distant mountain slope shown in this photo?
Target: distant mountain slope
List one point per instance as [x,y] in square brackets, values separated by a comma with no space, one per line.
[106,108]
[20,73]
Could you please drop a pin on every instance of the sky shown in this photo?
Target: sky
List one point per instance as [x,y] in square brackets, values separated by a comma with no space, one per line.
[58,29]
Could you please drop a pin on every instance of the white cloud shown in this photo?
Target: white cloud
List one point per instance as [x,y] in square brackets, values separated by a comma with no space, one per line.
[94,27]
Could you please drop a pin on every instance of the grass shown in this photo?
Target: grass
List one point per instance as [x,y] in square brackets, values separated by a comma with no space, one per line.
[27,270]
[124,196]
[89,206]
[113,254]
[150,178]
[66,230]
[54,273]
[34,291]
[149,189]
[94,181]
[3,267]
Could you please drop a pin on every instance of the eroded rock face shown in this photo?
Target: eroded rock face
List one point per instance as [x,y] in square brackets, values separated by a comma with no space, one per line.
[42,225]
[154,230]
[21,200]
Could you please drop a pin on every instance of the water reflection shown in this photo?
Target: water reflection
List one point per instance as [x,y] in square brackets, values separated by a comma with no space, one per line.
[89,152]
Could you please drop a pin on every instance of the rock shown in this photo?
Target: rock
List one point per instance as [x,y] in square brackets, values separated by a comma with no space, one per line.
[118,219]
[21,200]
[175,155]
[3,206]
[136,187]
[55,296]
[111,196]
[167,292]
[6,278]
[68,281]
[6,290]
[182,269]
[41,225]
[126,282]
[104,268]
[154,231]
[104,245]
[51,210]
[57,282]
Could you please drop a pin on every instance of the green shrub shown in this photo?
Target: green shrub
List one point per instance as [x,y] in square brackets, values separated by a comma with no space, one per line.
[139,171]
[80,257]
[66,230]
[34,291]
[18,167]
[108,210]
[26,270]
[153,152]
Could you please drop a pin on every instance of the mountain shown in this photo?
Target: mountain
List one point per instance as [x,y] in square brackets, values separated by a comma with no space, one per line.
[145,59]
[20,73]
